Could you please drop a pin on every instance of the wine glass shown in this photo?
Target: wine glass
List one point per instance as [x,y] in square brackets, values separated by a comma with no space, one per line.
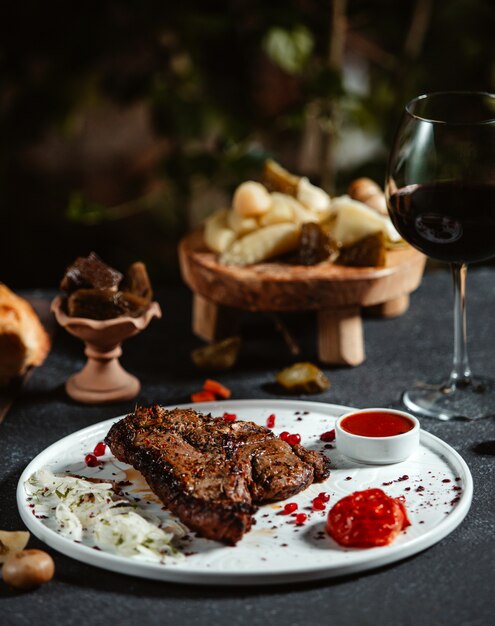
[440,190]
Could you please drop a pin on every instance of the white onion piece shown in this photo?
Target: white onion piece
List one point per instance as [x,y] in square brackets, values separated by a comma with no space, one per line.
[92,513]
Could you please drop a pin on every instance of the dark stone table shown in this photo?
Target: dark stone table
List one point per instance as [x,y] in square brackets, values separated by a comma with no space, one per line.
[450,583]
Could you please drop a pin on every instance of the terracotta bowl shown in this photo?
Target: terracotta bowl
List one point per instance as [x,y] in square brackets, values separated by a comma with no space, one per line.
[103,379]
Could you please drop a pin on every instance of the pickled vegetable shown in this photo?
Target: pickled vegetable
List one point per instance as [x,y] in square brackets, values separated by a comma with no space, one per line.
[97,291]
[90,273]
[367,252]
[104,304]
[315,245]
[217,356]
[138,281]
[276,178]
[303,378]
[132,304]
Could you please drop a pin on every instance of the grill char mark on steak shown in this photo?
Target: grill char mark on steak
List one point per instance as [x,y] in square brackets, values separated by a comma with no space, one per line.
[213,473]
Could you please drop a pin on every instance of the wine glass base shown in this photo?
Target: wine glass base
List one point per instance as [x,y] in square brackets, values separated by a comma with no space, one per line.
[473,401]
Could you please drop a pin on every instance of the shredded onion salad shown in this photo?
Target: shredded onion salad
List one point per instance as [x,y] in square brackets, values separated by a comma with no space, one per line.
[91,513]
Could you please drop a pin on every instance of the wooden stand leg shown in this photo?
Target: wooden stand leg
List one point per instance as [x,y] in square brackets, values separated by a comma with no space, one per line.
[392,308]
[340,336]
[211,321]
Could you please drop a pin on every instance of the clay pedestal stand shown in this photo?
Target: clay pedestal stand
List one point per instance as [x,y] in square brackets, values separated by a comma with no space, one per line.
[338,294]
[103,379]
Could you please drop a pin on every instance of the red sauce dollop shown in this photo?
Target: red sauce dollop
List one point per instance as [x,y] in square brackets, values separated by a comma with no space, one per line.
[376,424]
[366,519]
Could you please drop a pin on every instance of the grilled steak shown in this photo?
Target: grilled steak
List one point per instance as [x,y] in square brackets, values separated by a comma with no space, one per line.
[212,473]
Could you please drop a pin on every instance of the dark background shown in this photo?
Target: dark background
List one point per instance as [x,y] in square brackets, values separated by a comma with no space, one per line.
[123,124]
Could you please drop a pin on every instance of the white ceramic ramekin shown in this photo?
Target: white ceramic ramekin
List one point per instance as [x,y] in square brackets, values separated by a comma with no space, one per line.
[377,450]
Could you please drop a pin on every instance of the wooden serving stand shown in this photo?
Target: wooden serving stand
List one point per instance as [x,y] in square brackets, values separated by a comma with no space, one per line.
[338,294]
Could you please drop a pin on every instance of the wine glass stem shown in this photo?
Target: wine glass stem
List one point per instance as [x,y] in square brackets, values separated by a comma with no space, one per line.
[460,375]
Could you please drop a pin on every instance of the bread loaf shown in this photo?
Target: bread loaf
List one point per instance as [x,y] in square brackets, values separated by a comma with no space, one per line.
[23,340]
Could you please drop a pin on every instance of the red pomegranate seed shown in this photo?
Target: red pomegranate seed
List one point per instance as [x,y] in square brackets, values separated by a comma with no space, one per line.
[323,496]
[99,449]
[283,435]
[270,421]
[91,460]
[328,436]
[289,508]
[229,417]
[300,518]
[293,439]
[318,505]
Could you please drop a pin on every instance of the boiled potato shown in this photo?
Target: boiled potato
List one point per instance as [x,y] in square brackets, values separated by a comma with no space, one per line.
[314,199]
[241,225]
[356,220]
[281,210]
[262,244]
[302,215]
[217,235]
[251,199]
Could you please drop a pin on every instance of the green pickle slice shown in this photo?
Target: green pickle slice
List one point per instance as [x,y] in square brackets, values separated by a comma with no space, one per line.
[303,378]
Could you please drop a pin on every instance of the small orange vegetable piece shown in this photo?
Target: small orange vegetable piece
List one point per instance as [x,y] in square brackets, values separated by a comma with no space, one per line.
[203,396]
[217,388]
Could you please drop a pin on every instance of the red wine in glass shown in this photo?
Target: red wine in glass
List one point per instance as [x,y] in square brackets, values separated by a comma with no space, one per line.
[440,189]
[448,221]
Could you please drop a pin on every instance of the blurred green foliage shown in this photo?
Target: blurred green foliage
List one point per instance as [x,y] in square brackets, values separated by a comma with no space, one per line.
[224,83]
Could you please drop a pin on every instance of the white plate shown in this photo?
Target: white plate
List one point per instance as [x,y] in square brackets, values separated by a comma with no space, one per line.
[438,491]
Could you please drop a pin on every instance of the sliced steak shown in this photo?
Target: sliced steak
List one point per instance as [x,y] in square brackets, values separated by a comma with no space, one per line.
[211,473]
